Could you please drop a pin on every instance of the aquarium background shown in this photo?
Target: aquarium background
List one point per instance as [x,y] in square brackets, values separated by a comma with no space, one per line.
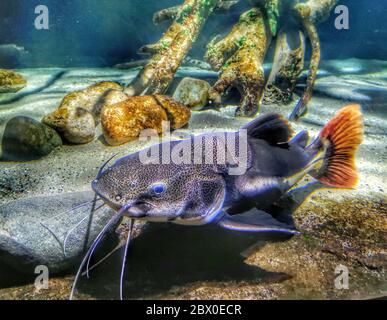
[98,33]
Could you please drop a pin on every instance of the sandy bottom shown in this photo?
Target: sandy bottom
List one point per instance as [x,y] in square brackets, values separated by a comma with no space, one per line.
[303,267]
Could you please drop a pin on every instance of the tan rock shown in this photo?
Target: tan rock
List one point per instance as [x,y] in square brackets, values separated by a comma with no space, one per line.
[124,121]
[91,99]
[115,96]
[193,93]
[79,112]
[178,114]
[76,125]
[11,81]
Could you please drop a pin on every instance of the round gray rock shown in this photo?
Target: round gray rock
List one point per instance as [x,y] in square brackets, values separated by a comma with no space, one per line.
[27,139]
[33,230]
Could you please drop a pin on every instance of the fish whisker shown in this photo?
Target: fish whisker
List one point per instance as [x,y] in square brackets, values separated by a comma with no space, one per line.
[119,246]
[97,242]
[94,247]
[43,224]
[84,204]
[52,233]
[104,165]
[111,222]
[90,221]
[129,236]
[76,226]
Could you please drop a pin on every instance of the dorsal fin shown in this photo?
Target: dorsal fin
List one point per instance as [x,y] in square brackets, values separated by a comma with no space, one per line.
[271,127]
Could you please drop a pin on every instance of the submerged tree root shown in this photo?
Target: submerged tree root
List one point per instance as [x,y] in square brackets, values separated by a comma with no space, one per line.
[287,66]
[310,14]
[240,57]
[172,12]
[247,44]
[172,48]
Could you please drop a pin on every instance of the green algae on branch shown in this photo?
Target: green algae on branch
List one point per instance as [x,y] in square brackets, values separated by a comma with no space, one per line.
[10,81]
[240,53]
[240,57]
[172,48]
[168,38]
[241,41]
[224,54]
[218,52]
[272,11]
[172,12]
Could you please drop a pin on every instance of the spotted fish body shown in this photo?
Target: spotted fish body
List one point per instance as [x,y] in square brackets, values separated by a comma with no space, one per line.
[198,189]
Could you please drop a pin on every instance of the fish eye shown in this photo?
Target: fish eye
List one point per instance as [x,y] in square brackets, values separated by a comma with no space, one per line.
[118,197]
[159,188]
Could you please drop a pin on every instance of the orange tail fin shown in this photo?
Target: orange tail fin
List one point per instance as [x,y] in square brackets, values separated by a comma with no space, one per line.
[344,133]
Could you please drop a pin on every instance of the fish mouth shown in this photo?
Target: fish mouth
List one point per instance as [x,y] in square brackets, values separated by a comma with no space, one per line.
[136,210]
[114,206]
[139,209]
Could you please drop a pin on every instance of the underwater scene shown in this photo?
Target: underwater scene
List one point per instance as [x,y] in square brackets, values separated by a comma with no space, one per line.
[193,149]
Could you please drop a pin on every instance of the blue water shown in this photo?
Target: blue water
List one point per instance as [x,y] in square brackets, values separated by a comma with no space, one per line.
[99,33]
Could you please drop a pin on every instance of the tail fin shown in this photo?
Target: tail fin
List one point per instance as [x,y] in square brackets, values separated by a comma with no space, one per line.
[344,133]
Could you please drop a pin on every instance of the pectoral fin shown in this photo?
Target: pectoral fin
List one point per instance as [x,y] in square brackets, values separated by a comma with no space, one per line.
[254,221]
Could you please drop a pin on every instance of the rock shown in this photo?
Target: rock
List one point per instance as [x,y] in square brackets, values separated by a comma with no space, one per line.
[11,81]
[27,139]
[193,93]
[124,121]
[115,96]
[79,112]
[178,114]
[309,272]
[76,125]
[354,229]
[59,289]
[26,242]
[90,99]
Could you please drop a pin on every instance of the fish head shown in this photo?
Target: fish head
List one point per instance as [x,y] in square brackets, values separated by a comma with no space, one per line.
[158,192]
